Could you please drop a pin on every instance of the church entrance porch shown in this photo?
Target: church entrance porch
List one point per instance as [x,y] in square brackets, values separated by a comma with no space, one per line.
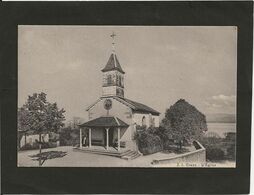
[102,137]
[99,137]
[103,131]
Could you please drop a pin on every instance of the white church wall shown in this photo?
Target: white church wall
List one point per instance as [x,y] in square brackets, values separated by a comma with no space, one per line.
[119,110]
[126,114]
[126,135]
[156,121]
[108,91]
[138,117]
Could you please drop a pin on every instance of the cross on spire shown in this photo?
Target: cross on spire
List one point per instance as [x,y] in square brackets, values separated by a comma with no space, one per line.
[113,35]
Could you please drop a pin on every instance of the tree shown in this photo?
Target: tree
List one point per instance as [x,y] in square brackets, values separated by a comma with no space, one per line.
[69,136]
[184,122]
[148,141]
[39,116]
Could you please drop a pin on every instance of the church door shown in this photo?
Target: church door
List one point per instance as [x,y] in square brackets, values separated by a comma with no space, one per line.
[110,136]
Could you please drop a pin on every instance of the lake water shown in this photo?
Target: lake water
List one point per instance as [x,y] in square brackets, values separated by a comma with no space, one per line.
[221,128]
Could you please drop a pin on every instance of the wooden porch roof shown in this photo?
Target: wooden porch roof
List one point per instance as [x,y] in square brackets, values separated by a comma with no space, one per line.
[105,121]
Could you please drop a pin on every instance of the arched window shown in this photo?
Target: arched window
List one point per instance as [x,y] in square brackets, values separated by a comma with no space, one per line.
[113,79]
[104,81]
[144,121]
[117,80]
[109,80]
[120,81]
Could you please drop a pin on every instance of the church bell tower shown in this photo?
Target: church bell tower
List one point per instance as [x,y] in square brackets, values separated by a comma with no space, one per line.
[113,75]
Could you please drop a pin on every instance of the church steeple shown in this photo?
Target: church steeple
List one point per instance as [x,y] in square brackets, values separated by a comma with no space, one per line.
[113,64]
[113,75]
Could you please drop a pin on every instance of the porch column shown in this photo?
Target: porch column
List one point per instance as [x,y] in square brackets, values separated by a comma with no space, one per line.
[107,138]
[25,138]
[80,137]
[90,137]
[118,139]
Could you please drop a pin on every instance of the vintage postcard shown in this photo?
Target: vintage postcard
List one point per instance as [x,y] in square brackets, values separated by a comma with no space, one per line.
[127,96]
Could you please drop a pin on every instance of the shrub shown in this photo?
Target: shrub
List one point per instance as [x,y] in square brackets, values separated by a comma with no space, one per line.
[27,147]
[214,153]
[69,137]
[231,151]
[219,148]
[141,128]
[165,136]
[168,144]
[176,150]
[230,145]
[35,146]
[149,143]
[53,137]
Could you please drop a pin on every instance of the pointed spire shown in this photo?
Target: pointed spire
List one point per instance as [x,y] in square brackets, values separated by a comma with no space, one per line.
[113,63]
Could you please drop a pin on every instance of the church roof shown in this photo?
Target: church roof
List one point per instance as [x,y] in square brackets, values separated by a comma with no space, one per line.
[113,64]
[135,106]
[141,107]
[105,121]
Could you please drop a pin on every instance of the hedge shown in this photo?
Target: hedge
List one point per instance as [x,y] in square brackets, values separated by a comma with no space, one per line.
[214,153]
[35,146]
[69,137]
[149,143]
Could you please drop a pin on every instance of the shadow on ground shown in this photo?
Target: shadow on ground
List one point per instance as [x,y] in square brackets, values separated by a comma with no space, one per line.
[48,155]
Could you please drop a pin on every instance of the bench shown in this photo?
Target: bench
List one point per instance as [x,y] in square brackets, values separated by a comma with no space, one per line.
[97,142]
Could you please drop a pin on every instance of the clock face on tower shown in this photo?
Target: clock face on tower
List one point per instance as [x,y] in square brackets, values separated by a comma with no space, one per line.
[108,104]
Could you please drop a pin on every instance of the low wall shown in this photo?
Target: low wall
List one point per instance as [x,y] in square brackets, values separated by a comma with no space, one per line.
[197,156]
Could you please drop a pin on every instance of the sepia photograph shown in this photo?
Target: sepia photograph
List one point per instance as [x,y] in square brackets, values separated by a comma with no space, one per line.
[127,96]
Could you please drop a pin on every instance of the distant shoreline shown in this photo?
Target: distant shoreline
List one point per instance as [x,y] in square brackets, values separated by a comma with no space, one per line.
[221,118]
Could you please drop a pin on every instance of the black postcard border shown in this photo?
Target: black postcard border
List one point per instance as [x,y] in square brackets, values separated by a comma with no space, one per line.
[124,180]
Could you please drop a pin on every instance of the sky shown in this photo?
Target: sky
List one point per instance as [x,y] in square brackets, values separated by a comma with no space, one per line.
[162,64]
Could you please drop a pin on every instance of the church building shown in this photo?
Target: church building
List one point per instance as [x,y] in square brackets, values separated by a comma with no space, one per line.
[113,118]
